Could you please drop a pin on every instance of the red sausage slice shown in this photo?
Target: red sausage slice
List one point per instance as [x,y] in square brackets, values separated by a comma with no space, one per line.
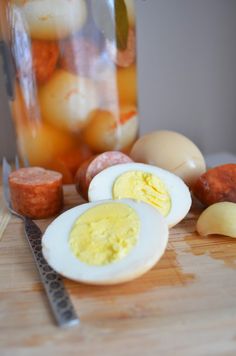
[44,55]
[36,192]
[216,185]
[39,57]
[93,166]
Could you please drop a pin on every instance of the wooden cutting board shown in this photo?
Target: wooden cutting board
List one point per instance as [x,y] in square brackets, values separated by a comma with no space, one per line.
[186,305]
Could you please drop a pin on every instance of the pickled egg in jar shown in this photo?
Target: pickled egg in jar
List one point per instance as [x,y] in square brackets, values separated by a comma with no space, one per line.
[71,68]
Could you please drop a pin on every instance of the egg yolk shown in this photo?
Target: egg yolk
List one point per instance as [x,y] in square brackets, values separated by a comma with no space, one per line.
[143,186]
[105,233]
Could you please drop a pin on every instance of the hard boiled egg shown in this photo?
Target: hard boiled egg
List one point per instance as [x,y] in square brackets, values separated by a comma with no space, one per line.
[42,143]
[155,186]
[105,242]
[172,151]
[66,100]
[111,130]
[50,19]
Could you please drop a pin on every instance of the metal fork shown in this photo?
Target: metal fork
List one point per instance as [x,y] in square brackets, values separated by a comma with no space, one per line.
[59,301]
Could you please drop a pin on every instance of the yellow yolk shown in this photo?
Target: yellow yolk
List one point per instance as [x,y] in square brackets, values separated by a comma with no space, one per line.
[105,233]
[143,186]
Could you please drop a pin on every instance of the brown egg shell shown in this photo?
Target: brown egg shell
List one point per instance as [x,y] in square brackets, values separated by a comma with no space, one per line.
[172,151]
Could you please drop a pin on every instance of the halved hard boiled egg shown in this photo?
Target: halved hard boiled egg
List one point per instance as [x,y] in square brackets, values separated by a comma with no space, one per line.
[106,242]
[142,182]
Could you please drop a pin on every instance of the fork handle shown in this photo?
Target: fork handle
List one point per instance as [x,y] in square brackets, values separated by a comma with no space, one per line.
[58,297]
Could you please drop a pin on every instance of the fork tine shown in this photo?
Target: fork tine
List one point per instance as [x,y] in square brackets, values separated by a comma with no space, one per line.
[17,162]
[6,170]
[25,162]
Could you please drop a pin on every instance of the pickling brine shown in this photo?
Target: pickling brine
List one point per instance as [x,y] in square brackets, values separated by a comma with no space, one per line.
[71,77]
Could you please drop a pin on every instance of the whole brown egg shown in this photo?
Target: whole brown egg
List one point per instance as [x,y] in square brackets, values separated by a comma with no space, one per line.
[172,151]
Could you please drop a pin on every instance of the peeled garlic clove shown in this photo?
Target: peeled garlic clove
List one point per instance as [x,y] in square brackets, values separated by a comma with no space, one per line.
[219,218]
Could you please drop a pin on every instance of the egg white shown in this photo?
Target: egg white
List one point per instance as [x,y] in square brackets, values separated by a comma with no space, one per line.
[151,244]
[101,187]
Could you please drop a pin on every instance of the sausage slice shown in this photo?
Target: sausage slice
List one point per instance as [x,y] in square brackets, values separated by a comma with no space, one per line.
[216,185]
[36,192]
[93,166]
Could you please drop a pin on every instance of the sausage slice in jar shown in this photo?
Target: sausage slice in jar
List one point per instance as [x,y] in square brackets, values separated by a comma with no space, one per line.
[123,58]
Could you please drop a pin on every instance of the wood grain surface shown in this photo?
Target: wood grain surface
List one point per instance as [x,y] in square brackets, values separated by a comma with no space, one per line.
[186,305]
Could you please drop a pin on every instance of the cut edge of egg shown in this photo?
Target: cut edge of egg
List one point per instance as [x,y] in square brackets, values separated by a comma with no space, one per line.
[144,255]
[175,186]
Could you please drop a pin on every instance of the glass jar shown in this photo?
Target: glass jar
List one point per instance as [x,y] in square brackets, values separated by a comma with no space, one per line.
[71,78]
